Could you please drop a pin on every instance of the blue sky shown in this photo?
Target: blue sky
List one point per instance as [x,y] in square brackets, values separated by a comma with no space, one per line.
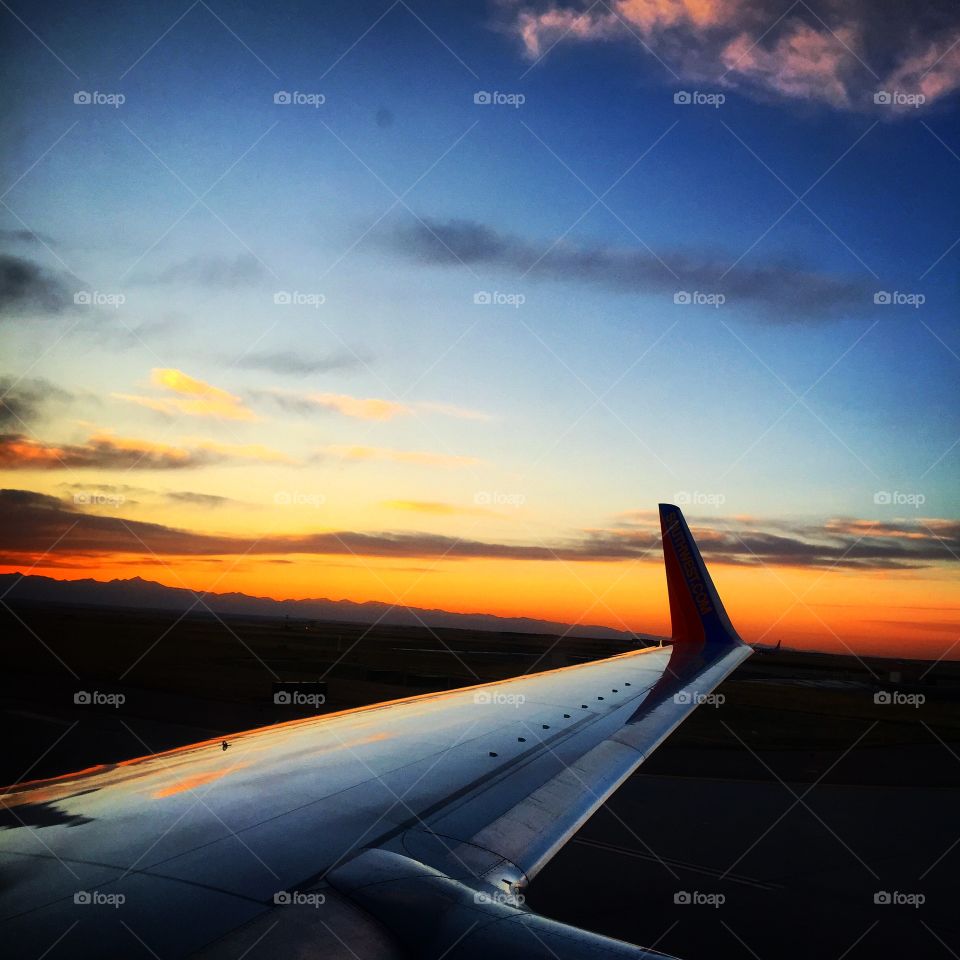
[399,198]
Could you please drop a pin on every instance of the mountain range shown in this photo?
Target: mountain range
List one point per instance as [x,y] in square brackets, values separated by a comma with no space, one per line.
[149,595]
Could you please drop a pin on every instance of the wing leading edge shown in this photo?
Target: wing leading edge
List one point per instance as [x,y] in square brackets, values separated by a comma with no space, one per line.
[509,849]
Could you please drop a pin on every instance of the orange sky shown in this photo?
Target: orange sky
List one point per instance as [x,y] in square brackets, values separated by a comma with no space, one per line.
[883,613]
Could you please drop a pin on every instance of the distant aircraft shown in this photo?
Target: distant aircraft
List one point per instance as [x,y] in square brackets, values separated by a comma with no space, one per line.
[766,647]
[404,829]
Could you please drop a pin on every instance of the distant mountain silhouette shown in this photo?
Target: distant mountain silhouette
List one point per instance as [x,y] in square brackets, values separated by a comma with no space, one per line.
[148,595]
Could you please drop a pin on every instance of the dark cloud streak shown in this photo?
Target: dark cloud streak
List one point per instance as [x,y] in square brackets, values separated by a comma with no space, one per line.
[777,291]
[32,521]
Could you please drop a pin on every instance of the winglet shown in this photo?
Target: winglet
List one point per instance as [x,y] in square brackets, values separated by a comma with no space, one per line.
[696,613]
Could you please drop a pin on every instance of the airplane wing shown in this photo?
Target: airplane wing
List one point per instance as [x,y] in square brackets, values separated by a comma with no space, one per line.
[403,829]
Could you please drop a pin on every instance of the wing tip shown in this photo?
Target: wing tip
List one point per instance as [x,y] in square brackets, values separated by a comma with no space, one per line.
[697,614]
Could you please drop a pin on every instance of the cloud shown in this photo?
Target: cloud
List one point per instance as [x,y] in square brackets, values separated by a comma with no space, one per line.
[24,400]
[363,408]
[26,287]
[297,363]
[195,398]
[29,237]
[436,508]
[419,457]
[107,493]
[32,522]
[789,290]
[212,271]
[191,499]
[104,451]
[838,56]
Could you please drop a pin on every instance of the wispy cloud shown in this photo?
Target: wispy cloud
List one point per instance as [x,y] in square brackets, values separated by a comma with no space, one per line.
[779,292]
[27,287]
[422,458]
[24,400]
[190,499]
[27,237]
[369,408]
[285,361]
[32,521]
[212,271]
[105,451]
[363,408]
[194,398]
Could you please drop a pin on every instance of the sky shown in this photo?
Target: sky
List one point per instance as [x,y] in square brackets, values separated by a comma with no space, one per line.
[432,304]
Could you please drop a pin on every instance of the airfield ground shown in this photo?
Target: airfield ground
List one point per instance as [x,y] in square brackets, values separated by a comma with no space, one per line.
[798,800]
